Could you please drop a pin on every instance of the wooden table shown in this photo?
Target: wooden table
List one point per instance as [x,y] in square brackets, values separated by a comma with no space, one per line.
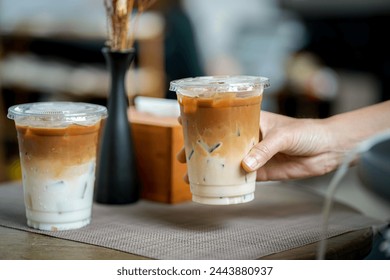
[19,244]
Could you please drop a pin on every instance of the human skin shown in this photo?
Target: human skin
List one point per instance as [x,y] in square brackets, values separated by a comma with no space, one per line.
[294,148]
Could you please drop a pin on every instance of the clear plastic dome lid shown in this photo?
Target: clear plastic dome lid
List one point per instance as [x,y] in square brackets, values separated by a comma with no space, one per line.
[57,113]
[204,84]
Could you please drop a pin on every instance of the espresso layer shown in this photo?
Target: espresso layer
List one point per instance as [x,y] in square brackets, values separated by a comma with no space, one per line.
[65,146]
[222,126]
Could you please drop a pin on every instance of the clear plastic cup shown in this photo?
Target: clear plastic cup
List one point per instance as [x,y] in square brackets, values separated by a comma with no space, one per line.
[58,144]
[221,123]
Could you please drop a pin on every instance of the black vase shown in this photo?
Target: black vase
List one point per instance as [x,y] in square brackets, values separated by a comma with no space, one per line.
[117,181]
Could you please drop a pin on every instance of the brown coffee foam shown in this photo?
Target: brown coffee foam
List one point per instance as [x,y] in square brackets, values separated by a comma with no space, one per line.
[207,122]
[71,145]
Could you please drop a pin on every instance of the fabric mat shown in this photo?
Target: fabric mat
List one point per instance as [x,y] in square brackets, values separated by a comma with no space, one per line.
[281,217]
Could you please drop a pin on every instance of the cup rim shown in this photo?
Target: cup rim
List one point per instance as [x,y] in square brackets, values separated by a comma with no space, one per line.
[227,83]
[57,111]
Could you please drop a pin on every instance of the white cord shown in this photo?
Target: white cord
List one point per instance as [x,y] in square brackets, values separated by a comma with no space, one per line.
[334,183]
[385,245]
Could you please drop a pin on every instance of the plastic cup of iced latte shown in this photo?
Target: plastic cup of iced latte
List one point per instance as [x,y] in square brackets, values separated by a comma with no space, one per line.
[220,118]
[58,145]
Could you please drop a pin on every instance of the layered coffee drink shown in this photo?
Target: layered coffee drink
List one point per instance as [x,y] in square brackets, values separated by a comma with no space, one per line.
[220,118]
[58,159]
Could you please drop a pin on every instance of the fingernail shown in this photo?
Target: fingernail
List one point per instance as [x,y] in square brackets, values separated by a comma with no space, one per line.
[250,161]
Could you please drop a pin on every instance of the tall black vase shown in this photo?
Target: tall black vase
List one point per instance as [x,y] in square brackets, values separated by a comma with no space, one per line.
[117,181]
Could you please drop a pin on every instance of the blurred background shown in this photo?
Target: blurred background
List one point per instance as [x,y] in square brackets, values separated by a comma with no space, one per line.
[322,57]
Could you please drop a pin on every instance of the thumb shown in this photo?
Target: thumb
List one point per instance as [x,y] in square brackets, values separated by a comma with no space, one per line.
[262,152]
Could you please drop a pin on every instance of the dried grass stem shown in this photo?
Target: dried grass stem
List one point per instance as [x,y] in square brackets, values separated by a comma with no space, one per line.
[121,35]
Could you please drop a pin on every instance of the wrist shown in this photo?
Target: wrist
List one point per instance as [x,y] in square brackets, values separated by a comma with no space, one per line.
[338,140]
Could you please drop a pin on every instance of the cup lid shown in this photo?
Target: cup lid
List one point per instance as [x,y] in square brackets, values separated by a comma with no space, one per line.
[57,113]
[220,84]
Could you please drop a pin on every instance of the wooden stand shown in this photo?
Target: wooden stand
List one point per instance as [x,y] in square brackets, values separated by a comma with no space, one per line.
[157,140]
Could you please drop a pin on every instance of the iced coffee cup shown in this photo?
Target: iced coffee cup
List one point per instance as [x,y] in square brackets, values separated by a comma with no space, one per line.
[220,118]
[58,145]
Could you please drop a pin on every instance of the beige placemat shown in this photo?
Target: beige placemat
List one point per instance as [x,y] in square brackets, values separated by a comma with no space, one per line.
[281,217]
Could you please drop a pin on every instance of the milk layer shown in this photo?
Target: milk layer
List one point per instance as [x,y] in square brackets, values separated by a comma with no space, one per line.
[60,202]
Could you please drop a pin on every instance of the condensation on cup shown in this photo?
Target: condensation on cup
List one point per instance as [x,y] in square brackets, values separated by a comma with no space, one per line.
[221,123]
[58,144]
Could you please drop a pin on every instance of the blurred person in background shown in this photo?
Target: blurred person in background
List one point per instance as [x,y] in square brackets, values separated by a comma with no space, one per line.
[253,37]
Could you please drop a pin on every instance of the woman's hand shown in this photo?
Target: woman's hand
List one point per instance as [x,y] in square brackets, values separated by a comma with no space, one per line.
[291,148]
[181,157]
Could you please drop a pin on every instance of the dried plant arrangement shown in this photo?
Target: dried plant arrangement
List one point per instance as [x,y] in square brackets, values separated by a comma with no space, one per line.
[122,21]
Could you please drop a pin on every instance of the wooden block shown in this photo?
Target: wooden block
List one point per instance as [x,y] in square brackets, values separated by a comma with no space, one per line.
[157,140]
